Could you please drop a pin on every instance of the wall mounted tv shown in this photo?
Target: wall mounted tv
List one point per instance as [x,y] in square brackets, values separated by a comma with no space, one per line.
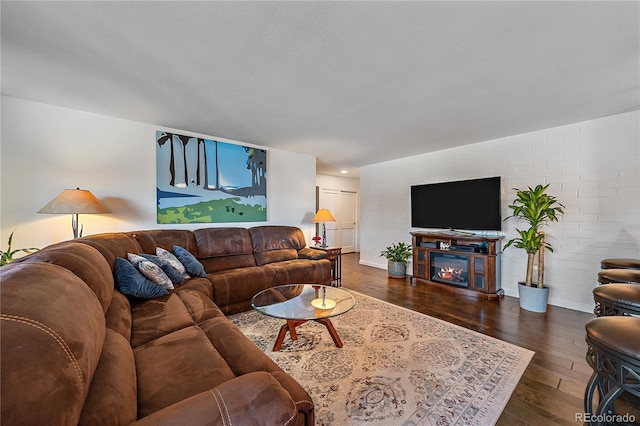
[467,204]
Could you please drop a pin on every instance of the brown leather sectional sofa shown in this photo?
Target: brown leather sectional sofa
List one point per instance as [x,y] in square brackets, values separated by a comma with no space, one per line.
[77,351]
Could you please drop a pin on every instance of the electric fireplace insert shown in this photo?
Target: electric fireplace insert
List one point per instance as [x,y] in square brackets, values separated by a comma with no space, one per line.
[450,268]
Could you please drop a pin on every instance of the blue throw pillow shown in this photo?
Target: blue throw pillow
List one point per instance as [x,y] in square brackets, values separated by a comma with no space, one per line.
[174,275]
[132,282]
[191,264]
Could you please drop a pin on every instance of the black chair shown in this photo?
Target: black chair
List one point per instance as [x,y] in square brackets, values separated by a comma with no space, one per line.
[617,299]
[618,263]
[607,276]
[614,355]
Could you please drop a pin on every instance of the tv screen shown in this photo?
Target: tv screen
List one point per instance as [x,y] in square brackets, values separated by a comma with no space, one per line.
[467,204]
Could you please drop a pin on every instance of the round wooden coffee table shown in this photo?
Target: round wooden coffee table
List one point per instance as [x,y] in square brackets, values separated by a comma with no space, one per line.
[299,303]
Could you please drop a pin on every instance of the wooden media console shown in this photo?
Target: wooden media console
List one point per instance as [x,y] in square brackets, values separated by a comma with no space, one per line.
[458,261]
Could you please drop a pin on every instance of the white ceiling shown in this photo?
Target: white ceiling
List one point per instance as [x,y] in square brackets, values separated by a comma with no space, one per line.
[352,83]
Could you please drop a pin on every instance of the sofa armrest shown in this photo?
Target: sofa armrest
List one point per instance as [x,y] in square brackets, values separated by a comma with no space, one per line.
[255,398]
[311,253]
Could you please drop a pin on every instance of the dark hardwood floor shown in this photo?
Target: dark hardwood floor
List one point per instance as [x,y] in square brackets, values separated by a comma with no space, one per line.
[551,390]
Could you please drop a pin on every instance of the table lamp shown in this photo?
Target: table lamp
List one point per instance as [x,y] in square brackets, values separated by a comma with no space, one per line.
[74,202]
[323,215]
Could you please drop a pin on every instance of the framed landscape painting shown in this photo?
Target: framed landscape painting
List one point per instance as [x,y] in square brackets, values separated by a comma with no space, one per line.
[206,181]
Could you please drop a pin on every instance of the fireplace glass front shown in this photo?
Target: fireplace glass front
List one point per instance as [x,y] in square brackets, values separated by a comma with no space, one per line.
[450,268]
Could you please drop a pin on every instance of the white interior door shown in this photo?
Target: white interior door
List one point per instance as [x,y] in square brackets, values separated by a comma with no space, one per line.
[346,221]
[343,207]
[329,200]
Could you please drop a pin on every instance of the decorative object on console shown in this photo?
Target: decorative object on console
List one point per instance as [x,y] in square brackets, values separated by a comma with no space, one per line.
[7,256]
[535,208]
[323,215]
[397,255]
[443,245]
[316,239]
[74,202]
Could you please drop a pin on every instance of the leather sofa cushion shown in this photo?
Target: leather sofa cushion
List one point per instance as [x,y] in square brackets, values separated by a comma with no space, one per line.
[276,243]
[118,317]
[155,318]
[112,245]
[267,238]
[304,403]
[221,249]
[240,285]
[272,256]
[200,307]
[224,263]
[302,271]
[166,239]
[215,242]
[312,253]
[192,364]
[51,343]
[202,285]
[112,396]
[253,399]
[242,355]
[84,261]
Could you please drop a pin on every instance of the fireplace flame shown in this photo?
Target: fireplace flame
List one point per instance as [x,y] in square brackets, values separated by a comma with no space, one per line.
[451,274]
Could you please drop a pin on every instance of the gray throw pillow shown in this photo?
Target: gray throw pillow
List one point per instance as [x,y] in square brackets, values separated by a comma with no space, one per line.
[150,270]
[169,257]
[174,275]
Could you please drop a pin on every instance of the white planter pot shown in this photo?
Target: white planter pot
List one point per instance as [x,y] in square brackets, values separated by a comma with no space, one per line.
[533,299]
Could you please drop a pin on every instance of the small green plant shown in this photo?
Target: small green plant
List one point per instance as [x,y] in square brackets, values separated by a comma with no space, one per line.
[536,208]
[7,256]
[397,252]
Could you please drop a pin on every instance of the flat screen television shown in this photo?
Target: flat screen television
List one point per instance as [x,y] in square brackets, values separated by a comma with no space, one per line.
[466,204]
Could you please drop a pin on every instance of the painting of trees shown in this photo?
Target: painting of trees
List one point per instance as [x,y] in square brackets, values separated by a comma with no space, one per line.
[212,181]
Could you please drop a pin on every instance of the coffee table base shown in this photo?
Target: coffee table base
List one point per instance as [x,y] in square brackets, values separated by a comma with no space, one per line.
[291,325]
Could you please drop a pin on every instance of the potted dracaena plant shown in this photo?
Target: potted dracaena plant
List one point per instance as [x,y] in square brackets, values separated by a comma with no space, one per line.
[7,256]
[397,255]
[536,208]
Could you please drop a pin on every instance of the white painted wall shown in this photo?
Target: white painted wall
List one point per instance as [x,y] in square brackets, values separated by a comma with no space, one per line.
[337,182]
[45,149]
[593,168]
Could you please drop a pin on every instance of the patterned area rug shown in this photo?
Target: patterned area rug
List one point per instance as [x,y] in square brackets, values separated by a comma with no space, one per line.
[397,367]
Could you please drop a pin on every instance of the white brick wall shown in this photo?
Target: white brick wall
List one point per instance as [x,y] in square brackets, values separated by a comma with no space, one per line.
[593,168]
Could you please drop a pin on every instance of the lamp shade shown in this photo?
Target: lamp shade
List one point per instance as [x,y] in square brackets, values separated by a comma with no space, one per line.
[74,201]
[323,215]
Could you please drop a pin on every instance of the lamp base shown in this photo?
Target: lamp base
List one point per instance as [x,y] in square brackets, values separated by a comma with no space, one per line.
[323,303]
